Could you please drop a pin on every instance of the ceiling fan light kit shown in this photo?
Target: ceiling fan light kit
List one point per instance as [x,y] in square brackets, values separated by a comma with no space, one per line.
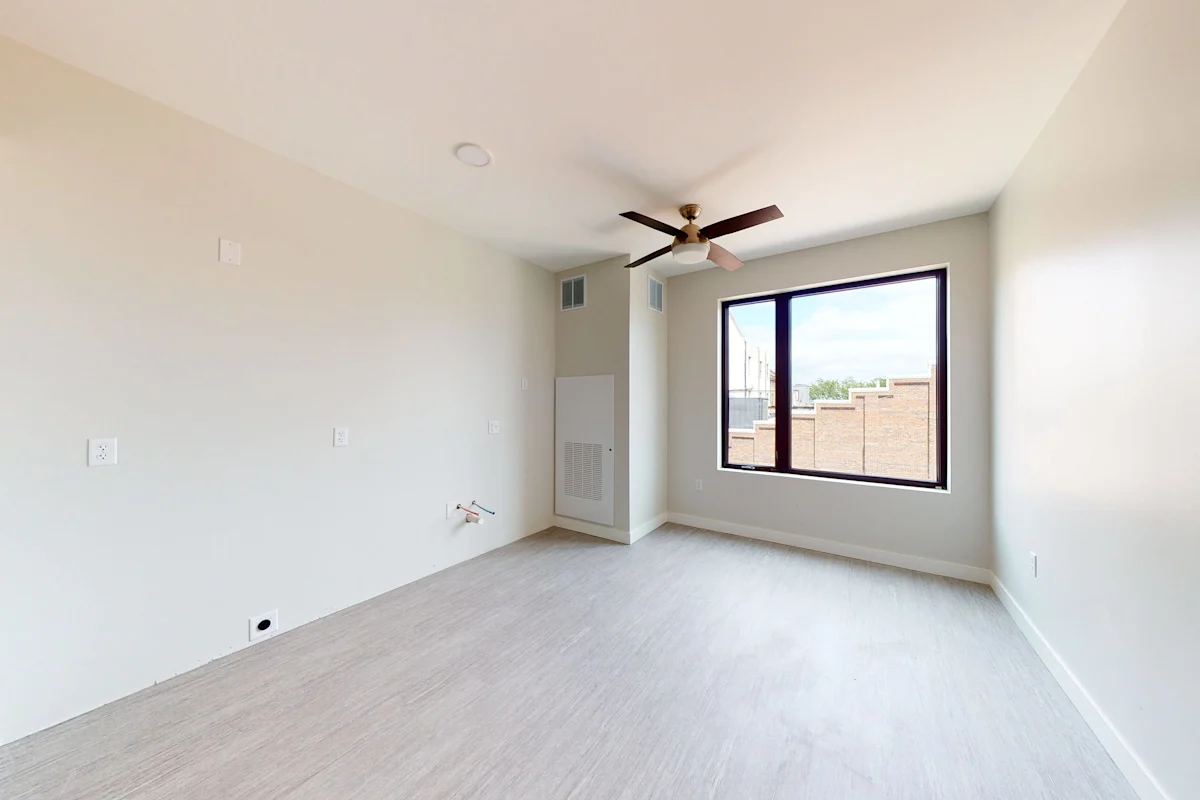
[690,252]
[692,243]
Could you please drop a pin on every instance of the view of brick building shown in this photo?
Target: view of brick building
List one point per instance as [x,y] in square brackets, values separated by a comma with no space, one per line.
[887,431]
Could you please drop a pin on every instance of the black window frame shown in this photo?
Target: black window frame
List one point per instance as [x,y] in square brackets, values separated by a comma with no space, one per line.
[783,380]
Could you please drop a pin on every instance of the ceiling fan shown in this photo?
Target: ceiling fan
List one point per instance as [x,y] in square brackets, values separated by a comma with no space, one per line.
[694,244]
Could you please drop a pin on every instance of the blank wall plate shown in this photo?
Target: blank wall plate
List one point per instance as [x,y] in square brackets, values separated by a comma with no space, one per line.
[102,452]
[341,437]
[264,625]
[229,252]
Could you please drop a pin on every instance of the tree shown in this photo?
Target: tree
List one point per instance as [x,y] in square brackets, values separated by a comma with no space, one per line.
[834,389]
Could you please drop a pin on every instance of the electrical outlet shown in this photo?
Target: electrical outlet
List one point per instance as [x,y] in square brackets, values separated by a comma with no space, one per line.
[493,426]
[264,625]
[1033,563]
[102,452]
[699,485]
[341,437]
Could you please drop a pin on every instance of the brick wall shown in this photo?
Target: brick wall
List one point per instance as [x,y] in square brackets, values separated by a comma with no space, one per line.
[888,431]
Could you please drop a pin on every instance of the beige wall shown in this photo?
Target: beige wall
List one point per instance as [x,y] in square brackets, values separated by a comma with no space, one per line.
[647,406]
[1097,273]
[223,385]
[594,340]
[618,334]
[949,526]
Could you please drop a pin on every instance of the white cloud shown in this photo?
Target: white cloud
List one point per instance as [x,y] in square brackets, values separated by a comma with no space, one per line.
[892,337]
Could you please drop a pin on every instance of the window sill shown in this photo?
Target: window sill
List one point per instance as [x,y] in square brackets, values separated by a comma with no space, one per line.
[843,481]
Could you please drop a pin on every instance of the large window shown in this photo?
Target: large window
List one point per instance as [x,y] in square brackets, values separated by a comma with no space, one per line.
[841,381]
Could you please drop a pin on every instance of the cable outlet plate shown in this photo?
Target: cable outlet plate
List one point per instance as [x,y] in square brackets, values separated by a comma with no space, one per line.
[264,625]
[102,452]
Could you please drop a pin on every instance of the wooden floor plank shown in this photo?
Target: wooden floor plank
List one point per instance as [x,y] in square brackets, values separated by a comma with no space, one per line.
[691,665]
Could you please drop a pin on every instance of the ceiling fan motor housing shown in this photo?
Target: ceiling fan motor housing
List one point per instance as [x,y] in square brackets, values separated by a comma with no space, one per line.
[691,230]
[691,234]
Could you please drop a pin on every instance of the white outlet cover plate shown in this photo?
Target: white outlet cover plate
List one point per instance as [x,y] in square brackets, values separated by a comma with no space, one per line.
[229,252]
[341,437]
[493,426]
[273,617]
[102,452]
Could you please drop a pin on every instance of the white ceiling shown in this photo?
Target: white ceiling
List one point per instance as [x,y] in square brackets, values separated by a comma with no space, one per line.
[853,116]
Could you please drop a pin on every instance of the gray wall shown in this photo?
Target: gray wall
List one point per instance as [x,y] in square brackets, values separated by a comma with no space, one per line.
[1097,278]
[950,526]
[595,341]
[223,385]
[648,408]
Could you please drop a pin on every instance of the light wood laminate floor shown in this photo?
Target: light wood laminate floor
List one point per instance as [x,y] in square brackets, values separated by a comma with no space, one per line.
[691,665]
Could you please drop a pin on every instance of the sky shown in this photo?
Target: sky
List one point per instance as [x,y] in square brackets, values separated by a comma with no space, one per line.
[879,331]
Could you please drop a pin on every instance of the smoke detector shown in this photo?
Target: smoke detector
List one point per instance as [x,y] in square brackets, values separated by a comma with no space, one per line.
[473,155]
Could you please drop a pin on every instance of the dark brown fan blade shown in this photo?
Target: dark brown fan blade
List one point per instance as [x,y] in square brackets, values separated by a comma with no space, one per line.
[651,222]
[741,222]
[650,257]
[722,257]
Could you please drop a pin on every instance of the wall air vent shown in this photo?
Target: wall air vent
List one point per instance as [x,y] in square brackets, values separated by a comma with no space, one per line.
[573,293]
[583,474]
[656,294]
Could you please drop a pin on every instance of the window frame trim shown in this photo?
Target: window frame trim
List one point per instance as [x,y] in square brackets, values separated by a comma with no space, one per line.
[783,373]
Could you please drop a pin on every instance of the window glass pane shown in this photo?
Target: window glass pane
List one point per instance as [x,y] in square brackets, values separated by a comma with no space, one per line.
[864,383]
[566,294]
[578,283]
[750,352]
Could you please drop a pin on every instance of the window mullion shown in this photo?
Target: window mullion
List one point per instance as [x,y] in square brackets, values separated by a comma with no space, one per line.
[783,384]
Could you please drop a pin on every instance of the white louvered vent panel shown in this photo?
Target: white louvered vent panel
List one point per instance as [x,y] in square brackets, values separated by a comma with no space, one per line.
[583,432]
[583,474]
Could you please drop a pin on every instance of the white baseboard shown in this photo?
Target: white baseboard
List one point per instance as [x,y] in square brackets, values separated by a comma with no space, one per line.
[648,527]
[916,563]
[1143,782]
[592,529]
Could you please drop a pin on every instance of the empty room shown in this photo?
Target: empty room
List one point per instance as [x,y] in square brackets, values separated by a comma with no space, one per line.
[531,400]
